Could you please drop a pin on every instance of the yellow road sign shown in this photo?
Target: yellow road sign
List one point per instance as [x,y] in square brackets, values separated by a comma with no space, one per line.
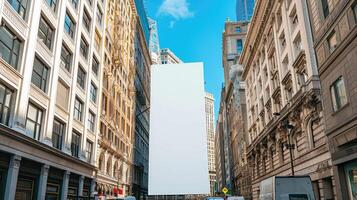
[224,190]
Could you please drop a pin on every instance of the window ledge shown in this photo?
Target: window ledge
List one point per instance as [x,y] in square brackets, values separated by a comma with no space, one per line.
[11,68]
[340,110]
[33,86]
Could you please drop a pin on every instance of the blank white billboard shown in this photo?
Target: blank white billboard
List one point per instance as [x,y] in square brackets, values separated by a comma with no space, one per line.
[178,162]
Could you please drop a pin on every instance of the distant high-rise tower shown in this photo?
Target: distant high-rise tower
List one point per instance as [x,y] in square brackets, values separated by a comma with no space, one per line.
[244,10]
[209,107]
[154,44]
[168,57]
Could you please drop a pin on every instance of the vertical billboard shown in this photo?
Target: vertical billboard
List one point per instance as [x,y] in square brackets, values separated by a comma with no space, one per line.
[178,162]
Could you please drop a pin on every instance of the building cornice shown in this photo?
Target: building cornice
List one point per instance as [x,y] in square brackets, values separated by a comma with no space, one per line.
[255,32]
[24,139]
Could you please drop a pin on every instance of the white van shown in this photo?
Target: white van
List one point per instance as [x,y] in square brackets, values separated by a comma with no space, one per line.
[286,188]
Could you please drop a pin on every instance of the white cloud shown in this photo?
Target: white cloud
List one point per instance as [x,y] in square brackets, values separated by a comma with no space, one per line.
[172,24]
[178,9]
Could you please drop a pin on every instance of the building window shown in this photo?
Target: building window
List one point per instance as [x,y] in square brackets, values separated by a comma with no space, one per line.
[33,121]
[95,66]
[69,25]
[25,187]
[238,30]
[75,144]
[239,46]
[19,6]
[81,77]
[78,109]
[355,10]
[40,74]
[325,8]
[62,95]
[66,57]
[104,104]
[332,41]
[52,191]
[93,93]
[45,33]
[91,121]
[89,150]
[84,47]
[6,96]
[9,46]
[75,3]
[57,134]
[338,94]
[99,16]
[52,4]
[350,170]
[86,20]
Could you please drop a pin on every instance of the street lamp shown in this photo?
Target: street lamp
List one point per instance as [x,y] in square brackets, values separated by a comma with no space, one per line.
[289,146]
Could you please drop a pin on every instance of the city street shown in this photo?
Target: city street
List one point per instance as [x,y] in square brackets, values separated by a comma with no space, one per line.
[178,100]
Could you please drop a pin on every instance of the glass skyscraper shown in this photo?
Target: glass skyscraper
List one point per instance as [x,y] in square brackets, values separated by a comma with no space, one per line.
[143,19]
[244,10]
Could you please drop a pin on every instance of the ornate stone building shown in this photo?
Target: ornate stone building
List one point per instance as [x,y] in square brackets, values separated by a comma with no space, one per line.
[235,106]
[334,26]
[284,98]
[116,132]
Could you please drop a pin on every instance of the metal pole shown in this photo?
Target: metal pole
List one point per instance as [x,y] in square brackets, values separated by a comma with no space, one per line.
[291,153]
[146,109]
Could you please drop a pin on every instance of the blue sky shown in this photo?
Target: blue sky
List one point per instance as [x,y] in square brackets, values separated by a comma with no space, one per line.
[192,29]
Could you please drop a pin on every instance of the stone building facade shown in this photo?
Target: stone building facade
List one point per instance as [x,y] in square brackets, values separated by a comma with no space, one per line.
[49,107]
[283,97]
[116,128]
[334,27]
[235,106]
[220,152]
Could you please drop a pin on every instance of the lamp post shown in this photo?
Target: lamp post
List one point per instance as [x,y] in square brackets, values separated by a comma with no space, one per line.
[289,146]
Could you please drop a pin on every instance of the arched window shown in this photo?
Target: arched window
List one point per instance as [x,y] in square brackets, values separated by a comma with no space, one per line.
[115,169]
[109,166]
[120,171]
[101,162]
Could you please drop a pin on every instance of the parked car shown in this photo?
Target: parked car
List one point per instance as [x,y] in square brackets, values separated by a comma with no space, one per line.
[235,198]
[129,198]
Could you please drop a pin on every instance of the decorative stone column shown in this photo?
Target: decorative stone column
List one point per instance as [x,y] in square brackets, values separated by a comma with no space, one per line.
[65,182]
[80,185]
[43,182]
[92,187]
[12,174]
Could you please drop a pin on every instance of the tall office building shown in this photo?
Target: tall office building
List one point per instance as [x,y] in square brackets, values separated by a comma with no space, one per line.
[168,57]
[66,98]
[209,108]
[154,44]
[144,21]
[235,107]
[115,149]
[244,10]
[142,105]
[50,65]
